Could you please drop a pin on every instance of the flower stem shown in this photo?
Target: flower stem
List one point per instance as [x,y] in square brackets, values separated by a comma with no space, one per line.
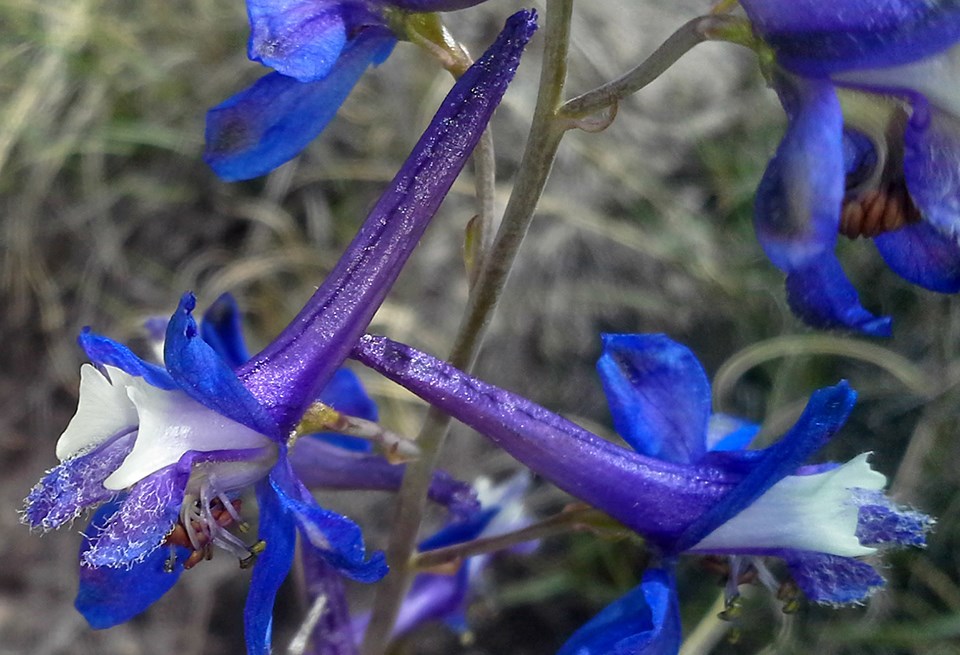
[698,30]
[541,148]
[566,521]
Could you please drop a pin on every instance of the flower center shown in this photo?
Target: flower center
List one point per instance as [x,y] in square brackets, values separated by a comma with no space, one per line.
[205,522]
[877,211]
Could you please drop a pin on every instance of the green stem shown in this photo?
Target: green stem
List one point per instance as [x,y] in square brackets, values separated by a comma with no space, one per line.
[911,376]
[561,523]
[698,30]
[541,148]
[485,172]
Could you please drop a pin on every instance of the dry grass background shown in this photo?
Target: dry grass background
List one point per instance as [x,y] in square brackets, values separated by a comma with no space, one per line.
[108,214]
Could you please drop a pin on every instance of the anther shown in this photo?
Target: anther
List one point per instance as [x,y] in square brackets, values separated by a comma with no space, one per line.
[733,609]
[878,211]
[254,551]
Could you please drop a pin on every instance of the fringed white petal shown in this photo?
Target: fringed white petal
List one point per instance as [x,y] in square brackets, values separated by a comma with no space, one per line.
[172,424]
[104,410]
[804,512]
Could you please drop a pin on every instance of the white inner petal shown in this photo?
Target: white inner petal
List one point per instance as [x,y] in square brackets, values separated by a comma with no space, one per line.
[803,512]
[172,423]
[103,411]
[935,77]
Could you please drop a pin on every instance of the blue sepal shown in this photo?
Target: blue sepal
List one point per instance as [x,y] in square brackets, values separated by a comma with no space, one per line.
[301,39]
[221,329]
[820,294]
[200,372]
[109,595]
[336,538]
[268,124]
[107,352]
[923,256]
[797,207]
[641,374]
[278,530]
[646,621]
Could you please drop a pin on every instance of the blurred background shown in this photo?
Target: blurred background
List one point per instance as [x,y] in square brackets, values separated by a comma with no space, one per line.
[109,214]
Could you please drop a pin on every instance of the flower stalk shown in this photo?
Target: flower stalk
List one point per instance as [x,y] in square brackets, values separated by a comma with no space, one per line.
[538,157]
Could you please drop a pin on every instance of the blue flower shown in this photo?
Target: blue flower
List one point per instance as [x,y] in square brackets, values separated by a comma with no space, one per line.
[872,147]
[331,460]
[172,445]
[688,485]
[318,50]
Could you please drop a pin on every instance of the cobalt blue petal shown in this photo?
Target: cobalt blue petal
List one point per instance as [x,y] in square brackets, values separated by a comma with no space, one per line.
[646,621]
[109,595]
[70,488]
[278,530]
[931,166]
[659,395]
[301,39]
[923,256]
[882,522]
[817,38]
[832,580]
[259,129]
[346,394]
[221,329]
[108,352]
[729,433]
[337,539]
[797,208]
[142,521]
[825,413]
[320,464]
[820,294]
[205,376]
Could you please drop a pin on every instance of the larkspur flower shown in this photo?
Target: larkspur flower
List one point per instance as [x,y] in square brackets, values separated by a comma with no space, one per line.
[872,147]
[688,485]
[318,50]
[173,444]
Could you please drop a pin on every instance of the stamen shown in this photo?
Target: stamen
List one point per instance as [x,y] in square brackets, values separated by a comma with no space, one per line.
[878,211]
[204,523]
[252,553]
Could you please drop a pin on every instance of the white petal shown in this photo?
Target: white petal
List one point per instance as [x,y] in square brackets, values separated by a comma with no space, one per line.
[172,423]
[103,411]
[935,77]
[508,496]
[803,512]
